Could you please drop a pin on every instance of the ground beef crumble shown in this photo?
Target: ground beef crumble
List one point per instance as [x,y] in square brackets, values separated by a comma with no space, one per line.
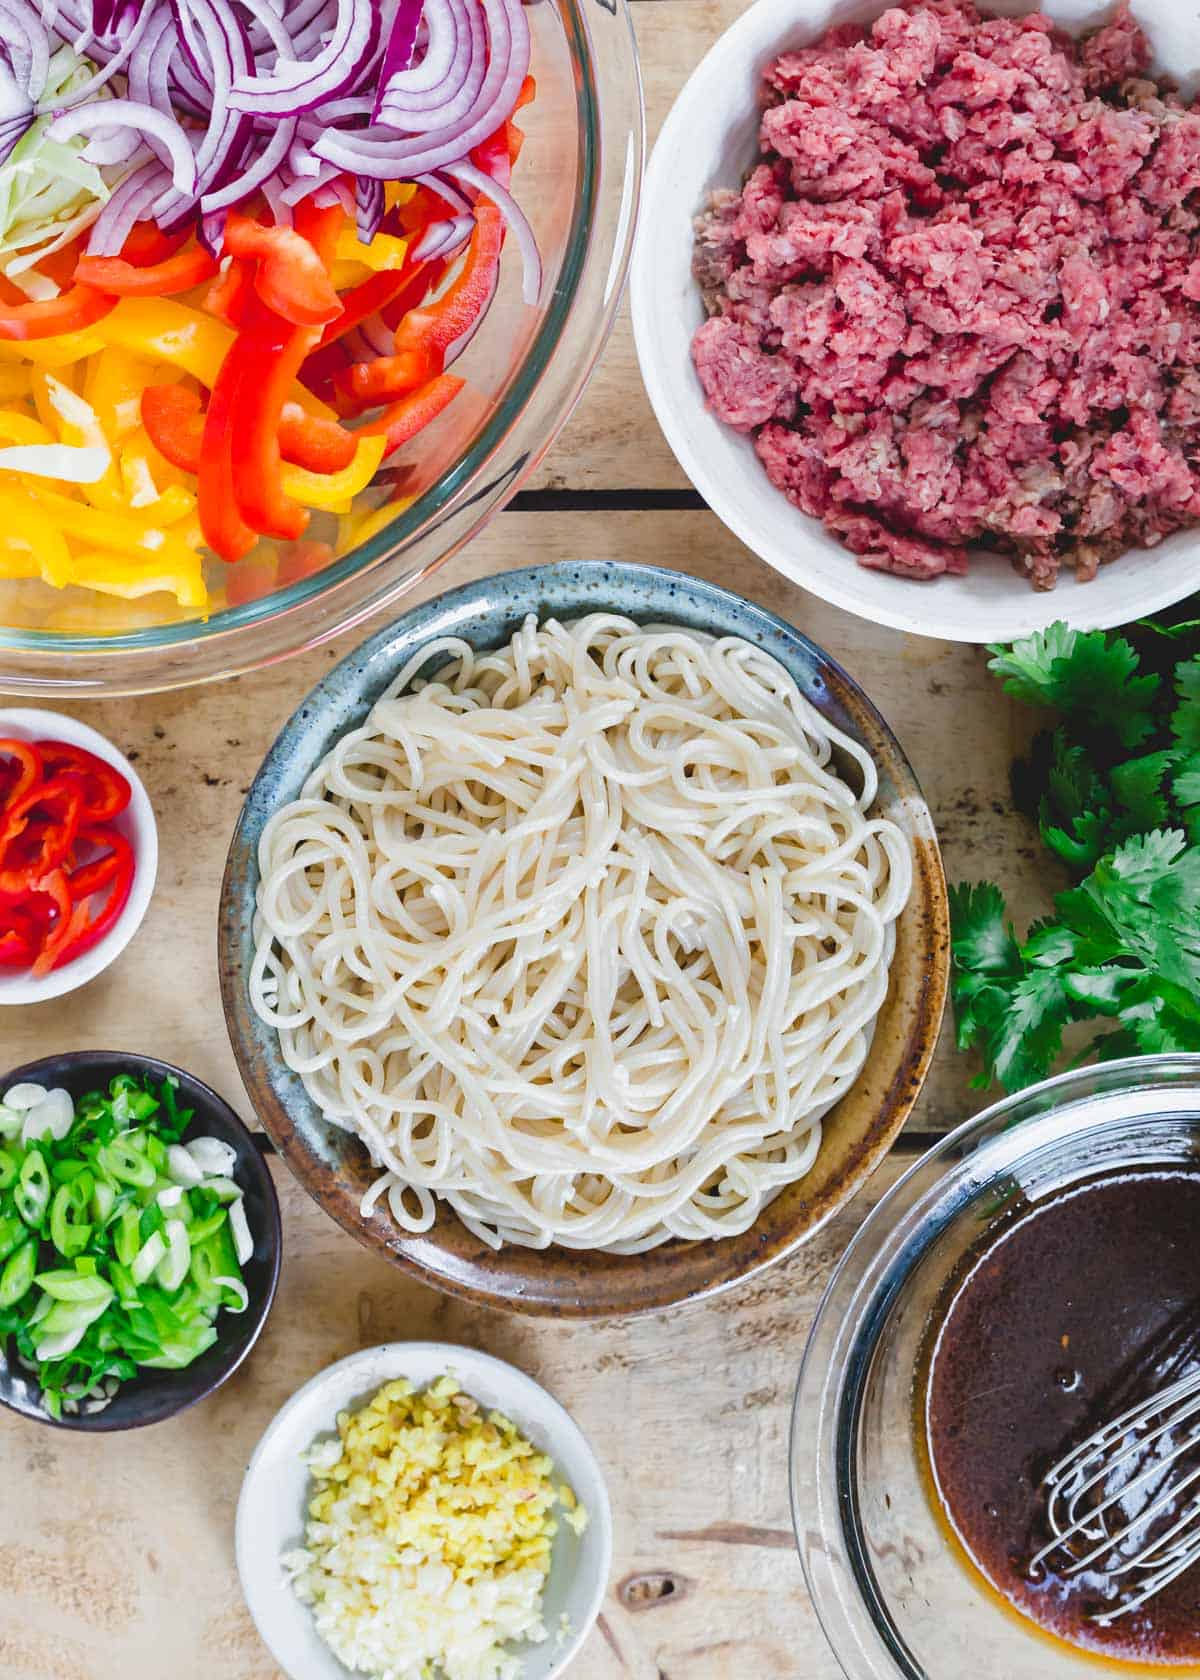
[957,303]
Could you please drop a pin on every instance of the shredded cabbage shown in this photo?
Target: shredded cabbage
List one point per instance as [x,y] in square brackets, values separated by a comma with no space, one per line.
[48,194]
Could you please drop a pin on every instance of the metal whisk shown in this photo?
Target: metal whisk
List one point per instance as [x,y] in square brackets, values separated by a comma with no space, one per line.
[1125,1502]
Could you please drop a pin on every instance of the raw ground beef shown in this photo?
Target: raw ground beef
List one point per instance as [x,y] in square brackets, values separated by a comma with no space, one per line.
[958,301]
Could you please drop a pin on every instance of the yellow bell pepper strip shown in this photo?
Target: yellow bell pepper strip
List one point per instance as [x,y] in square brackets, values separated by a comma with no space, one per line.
[16,427]
[113,384]
[52,352]
[113,574]
[126,533]
[14,383]
[386,253]
[334,491]
[24,526]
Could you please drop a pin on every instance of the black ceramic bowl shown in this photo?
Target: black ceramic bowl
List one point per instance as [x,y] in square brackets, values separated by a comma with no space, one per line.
[152,1396]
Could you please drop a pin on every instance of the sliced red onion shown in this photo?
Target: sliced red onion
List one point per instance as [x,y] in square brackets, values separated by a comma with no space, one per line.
[27,46]
[211,232]
[335,192]
[442,239]
[374,152]
[156,126]
[531,262]
[447,191]
[11,131]
[376,337]
[447,81]
[299,85]
[368,207]
[88,90]
[252,177]
[130,203]
[310,184]
[401,44]
[281,212]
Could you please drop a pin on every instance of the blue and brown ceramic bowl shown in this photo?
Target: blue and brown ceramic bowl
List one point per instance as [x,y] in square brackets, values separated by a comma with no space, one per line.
[153,1396]
[334,1166]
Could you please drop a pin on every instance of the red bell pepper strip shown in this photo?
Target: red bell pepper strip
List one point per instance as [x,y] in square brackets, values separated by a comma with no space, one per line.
[225,531]
[271,352]
[21,937]
[26,761]
[229,291]
[434,327]
[367,384]
[321,226]
[174,420]
[404,419]
[417,290]
[291,277]
[162,279]
[37,832]
[372,295]
[147,243]
[106,792]
[71,311]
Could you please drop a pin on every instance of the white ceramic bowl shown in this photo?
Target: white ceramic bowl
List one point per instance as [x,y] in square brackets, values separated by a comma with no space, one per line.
[270,1515]
[136,823]
[710,140]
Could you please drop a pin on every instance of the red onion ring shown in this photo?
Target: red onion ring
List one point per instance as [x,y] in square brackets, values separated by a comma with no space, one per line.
[531,263]
[299,86]
[154,125]
[401,44]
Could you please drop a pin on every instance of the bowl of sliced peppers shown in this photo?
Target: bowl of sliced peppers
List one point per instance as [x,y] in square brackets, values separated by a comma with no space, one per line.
[139,1240]
[292,299]
[78,854]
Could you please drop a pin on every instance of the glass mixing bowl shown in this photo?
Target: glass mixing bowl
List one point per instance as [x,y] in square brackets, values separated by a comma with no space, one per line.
[577,181]
[893,1598]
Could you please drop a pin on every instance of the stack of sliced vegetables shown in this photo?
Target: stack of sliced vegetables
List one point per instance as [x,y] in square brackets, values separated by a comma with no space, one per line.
[119,1244]
[65,870]
[240,246]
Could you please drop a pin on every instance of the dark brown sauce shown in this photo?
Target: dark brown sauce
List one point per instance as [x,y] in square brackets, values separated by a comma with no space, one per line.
[1042,1334]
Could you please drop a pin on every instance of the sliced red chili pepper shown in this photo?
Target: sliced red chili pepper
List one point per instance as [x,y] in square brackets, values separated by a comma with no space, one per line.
[69,922]
[21,937]
[106,792]
[50,811]
[291,278]
[367,384]
[26,760]
[119,867]
[70,311]
[404,419]
[434,327]
[162,279]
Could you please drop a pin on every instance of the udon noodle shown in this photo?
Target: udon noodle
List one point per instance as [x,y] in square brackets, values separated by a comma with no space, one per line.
[583,936]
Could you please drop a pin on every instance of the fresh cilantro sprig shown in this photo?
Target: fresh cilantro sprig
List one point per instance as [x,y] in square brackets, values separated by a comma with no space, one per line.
[1115,789]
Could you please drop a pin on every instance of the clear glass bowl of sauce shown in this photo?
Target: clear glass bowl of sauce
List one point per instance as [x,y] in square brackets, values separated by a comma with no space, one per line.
[936,1381]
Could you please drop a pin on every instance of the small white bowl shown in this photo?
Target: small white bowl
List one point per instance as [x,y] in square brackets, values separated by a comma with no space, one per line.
[710,140]
[271,1509]
[136,823]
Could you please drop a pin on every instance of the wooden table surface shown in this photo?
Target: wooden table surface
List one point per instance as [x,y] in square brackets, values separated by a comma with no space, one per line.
[116,1555]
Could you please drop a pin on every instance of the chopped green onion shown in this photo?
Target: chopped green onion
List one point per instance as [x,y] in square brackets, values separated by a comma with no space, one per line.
[70,1231]
[32,1194]
[8,1168]
[173,1267]
[17,1276]
[148,1257]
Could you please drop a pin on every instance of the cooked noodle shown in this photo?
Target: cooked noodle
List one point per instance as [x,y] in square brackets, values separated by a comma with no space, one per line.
[583,936]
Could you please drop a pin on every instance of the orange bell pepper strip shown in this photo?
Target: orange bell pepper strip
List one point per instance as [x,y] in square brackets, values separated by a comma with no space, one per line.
[72,310]
[178,273]
[291,278]
[434,327]
[174,420]
[404,419]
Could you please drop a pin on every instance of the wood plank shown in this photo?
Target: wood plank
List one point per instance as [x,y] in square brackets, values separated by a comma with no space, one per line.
[613,437]
[117,1554]
[199,748]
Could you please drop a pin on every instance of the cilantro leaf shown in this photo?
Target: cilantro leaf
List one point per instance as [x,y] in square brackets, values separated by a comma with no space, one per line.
[1021,1027]
[1087,675]
[1185,719]
[1140,786]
